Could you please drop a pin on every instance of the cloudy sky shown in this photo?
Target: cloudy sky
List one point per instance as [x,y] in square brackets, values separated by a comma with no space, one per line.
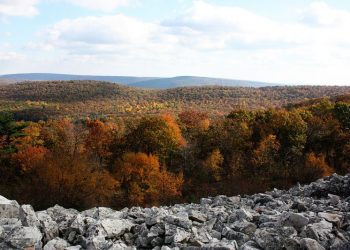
[289,41]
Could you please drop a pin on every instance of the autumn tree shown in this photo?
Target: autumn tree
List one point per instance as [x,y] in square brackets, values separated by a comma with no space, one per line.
[315,167]
[193,122]
[212,166]
[291,132]
[98,141]
[144,182]
[265,159]
[159,136]
[70,182]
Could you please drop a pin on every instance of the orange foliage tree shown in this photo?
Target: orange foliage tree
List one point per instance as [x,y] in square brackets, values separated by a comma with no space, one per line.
[144,182]
[315,167]
[98,141]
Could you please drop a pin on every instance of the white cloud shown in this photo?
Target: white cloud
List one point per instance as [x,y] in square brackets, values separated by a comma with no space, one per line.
[25,8]
[10,56]
[106,34]
[320,13]
[218,27]
[210,40]
[101,5]
[203,27]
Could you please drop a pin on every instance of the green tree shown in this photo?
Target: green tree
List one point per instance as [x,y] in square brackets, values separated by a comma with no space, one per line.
[342,113]
[9,130]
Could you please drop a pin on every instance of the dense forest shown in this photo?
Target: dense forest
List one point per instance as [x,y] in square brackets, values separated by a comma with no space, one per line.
[168,157]
[34,101]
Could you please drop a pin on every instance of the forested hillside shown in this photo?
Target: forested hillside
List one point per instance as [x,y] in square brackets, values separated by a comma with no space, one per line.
[170,157]
[78,99]
[144,82]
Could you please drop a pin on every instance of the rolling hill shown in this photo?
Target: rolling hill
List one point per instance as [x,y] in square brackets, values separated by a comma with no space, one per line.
[76,99]
[144,82]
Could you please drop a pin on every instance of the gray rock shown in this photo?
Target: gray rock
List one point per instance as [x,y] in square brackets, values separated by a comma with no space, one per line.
[81,224]
[305,217]
[56,244]
[291,243]
[321,232]
[99,242]
[235,199]
[205,201]
[197,216]
[63,217]
[268,238]
[239,237]
[47,225]
[115,227]
[331,217]
[28,217]
[24,238]
[311,244]
[250,245]
[180,220]
[78,247]
[298,221]
[244,226]
[8,209]
[201,236]
[223,245]
[334,199]
[341,246]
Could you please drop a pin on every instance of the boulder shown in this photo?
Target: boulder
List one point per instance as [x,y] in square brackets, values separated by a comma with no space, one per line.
[244,226]
[315,216]
[223,245]
[56,244]
[268,238]
[63,217]
[298,221]
[311,244]
[48,226]
[115,227]
[321,232]
[334,218]
[8,208]
[28,217]
[24,238]
[198,216]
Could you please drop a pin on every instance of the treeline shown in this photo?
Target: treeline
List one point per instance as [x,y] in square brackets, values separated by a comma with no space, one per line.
[164,159]
[78,99]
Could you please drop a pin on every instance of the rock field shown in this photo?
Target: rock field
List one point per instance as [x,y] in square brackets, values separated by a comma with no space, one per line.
[315,216]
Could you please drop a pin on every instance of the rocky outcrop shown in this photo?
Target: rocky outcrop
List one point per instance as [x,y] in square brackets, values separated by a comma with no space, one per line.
[315,216]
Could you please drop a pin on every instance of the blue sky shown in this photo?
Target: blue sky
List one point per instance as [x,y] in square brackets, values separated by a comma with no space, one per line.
[289,41]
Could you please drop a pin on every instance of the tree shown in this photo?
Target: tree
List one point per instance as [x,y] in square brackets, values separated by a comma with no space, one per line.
[315,167]
[342,113]
[144,181]
[291,132]
[9,130]
[194,122]
[211,167]
[155,135]
[265,159]
[30,157]
[70,182]
[98,141]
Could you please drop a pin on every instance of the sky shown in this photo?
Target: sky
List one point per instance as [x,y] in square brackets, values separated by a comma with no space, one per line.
[289,41]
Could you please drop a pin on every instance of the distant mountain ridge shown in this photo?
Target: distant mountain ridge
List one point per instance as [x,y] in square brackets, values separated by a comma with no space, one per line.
[143,82]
